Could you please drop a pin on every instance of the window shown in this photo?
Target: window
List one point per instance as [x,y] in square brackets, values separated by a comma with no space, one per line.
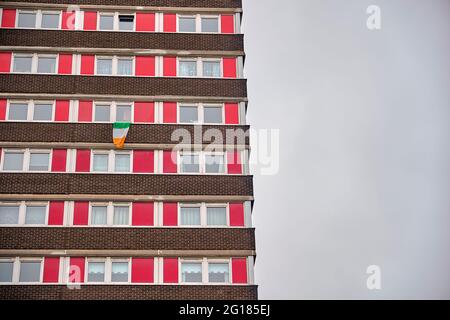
[218,272]
[119,272]
[100,163]
[99,215]
[125,67]
[210,24]
[189,216]
[26,20]
[190,163]
[122,163]
[123,113]
[39,161]
[186,24]
[110,214]
[43,112]
[188,68]
[191,272]
[13,161]
[6,271]
[36,215]
[214,163]
[50,20]
[216,216]
[211,69]
[126,22]
[106,22]
[198,23]
[104,66]
[22,63]
[102,113]
[96,271]
[188,114]
[121,214]
[46,64]
[9,214]
[122,66]
[18,111]
[30,271]
[212,114]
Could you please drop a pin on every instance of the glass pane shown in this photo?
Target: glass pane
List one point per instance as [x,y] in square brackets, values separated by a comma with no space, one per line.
[18,111]
[46,65]
[191,272]
[188,68]
[126,23]
[39,161]
[190,163]
[190,216]
[125,67]
[50,21]
[9,214]
[104,66]
[214,164]
[218,272]
[186,24]
[96,272]
[99,215]
[216,216]
[100,163]
[119,272]
[13,161]
[106,22]
[35,215]
[26,20]
[122,163]
[210,24]
[211,69]
[188,114]
[43,112]
[6,271]
[102,113]
[123,113]
[22,64]
[212,114]
[120,215]
[30,271]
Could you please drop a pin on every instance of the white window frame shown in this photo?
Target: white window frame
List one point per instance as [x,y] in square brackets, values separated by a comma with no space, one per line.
[41,276]
[39,14]
[188,59]
[198,22]
[114,69]
[190,205]
[205,270]
[216,205]
[110,213]
[128,104]
[191,260]
[220,153]
[37,204]
[202,162]
[219,60]
[32,106]
[21,214]
[26,158]
[201,112]
[111,160]
[113,110]
[186,104]
[14,262]
[36,23]
[34,62]
[115,16]
[93,260]
[187,153]
[108,269]
[103,103]
[41,151]
[203,213]
[214,261]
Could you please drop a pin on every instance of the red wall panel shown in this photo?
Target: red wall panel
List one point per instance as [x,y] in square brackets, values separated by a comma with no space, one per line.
[9,18]
[87,64]
[170,214]
[56,213]
[234,162]
[85,111]
[3,104]
[142,214]
[59,159]
[237,215]
[83,161]
[229,68]
[170,270]
[65,64]
[239,270]
[170,162]
[62,110]
[51,270]
[143,161]
[144,112]
[169,112]
[142,270]
[227,23]
[76,274]
[5,62]
[81,213]
[145,21]
[170,66]
[231,113]
[68,20]
[90,20]
[145,66]
[170,22]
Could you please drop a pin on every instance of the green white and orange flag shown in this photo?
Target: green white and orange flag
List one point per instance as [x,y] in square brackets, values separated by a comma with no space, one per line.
[120,131]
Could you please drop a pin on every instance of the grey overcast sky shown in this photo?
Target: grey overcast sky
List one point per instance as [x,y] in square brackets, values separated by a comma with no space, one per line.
[364,173]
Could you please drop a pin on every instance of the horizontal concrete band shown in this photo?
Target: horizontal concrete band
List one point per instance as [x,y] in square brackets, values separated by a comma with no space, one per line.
[133,42]
[133,184]
[104,85]
[129,292]
[141,135]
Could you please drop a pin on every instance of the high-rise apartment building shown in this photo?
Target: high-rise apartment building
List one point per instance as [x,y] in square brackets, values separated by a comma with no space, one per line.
[169,215]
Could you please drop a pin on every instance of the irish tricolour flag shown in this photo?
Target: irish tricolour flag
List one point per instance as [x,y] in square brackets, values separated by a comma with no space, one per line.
[120,131]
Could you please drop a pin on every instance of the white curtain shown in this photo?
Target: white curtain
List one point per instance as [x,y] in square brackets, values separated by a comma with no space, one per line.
[217,216]
[125,67]
[192,272]
[190,216]
[96,271]
[218,272]
[100,162]
[104,66]
[188,68]
[211,69]
[99,215]
[119,272]
[122,163]
[120,215]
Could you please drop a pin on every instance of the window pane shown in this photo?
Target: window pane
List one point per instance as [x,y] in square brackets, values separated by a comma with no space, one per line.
[46,65]
[100,163]
[123,113]
[119,272]
[106,22]
[186,24]
[35,215]
[191,272]
[18,111]
[126,23]
[190,216]
[120,215]
[122,163]
[190,163]
[212,114]
[99,216]
[39,161]
[218,272]
[102,113]
[125,67]
[43,112]
[96,271]
[13,161]
[211,69]
[30,271]
[22,64]
[210,24]
[6,271]
[104,66]
[216,216]
[26,20]
[50,21]
[9,214]
[188,114]
[214,163]
[188,68]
